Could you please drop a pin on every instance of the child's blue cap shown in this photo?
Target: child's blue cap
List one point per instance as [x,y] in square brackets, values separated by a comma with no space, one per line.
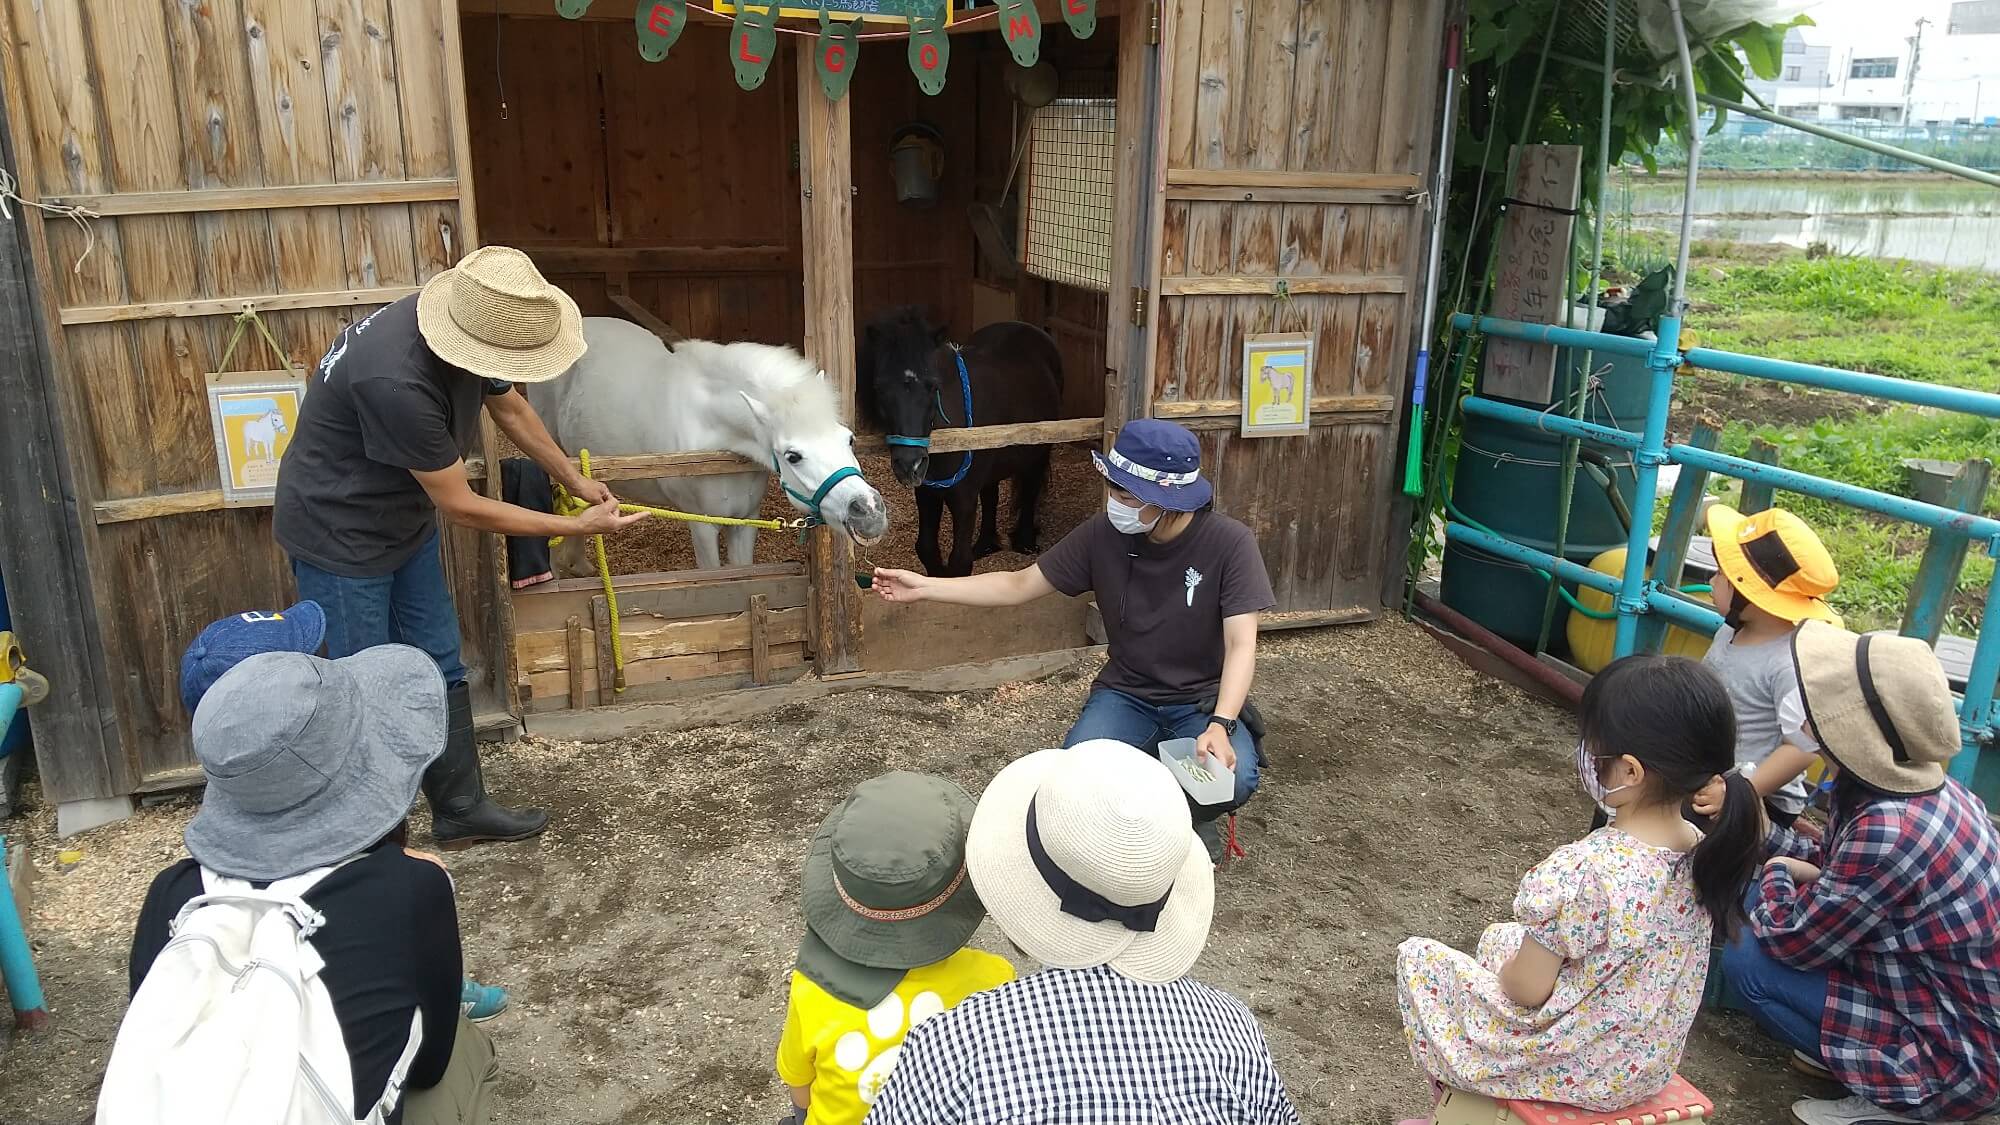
[233,639]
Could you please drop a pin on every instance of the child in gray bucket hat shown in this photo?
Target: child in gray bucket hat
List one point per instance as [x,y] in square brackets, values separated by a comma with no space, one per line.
[888,911]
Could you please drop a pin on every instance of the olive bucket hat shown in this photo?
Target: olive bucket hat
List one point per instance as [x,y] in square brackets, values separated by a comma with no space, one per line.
[885,886]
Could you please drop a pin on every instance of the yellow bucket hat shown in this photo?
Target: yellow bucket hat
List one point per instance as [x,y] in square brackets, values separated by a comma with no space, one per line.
[1774,560]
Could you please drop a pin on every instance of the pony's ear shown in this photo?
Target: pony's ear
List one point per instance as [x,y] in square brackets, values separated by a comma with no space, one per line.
[758,411]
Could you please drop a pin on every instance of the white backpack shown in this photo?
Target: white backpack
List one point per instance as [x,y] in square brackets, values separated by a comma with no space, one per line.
[233,1025]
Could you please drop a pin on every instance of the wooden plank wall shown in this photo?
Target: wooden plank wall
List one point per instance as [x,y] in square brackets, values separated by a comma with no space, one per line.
[1296,131]
[262,105]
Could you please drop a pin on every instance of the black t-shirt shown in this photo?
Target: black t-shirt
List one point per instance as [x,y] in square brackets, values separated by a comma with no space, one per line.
[1163,603]
[381,405]
[390,944]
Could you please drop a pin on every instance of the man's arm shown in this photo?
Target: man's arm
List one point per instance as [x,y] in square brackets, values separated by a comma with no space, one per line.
[1239,667]
[1003,588]
[451,491]
[524,428]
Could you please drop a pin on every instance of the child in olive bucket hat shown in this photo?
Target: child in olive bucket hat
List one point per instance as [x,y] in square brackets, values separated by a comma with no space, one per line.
[888,912]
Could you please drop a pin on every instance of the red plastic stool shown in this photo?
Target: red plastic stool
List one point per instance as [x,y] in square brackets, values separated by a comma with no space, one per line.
[1680,1101]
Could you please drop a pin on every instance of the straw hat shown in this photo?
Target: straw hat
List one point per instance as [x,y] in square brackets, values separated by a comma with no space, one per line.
[494,315]
[1087,857]
[885,885]
[1775,561]
[1880,705]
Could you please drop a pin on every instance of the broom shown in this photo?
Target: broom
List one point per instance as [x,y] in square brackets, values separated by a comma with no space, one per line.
[1413,463]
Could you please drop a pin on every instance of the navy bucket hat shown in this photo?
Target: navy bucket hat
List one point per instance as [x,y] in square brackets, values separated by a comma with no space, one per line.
[228,642]
[1160,463]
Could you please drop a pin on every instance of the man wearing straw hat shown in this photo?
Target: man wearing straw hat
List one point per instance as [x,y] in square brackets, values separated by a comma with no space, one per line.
[1086,858]
[379,454]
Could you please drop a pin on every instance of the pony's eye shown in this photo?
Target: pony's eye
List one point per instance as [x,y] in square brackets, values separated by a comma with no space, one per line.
[793,456]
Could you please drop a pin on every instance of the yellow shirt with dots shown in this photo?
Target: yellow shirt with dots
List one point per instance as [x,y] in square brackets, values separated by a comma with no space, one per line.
[846,1054]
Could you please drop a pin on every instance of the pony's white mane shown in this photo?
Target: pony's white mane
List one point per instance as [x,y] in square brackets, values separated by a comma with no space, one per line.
[787,383]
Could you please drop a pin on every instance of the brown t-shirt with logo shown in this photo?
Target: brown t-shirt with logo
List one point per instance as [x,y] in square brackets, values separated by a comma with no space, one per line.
[1163,603]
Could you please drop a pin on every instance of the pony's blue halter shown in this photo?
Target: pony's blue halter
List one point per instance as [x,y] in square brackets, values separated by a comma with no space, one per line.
[965,459]
[818,497]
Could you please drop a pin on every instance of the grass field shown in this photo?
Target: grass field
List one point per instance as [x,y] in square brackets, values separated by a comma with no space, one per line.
[1887,318]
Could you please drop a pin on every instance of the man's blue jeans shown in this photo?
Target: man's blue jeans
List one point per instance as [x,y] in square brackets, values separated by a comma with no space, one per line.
[410,606]
[1787,1003]
[1122,718]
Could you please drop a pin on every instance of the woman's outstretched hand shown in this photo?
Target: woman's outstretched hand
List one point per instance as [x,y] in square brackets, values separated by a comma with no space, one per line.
[900,586]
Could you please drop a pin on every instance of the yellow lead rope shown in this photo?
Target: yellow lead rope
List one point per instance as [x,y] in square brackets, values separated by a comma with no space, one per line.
[568,505]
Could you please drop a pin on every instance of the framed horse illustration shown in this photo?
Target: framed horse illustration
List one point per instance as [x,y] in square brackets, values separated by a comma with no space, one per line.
[1277,384]
[253,415]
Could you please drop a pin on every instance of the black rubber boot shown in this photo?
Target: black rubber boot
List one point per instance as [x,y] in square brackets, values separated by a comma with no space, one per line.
[461,813]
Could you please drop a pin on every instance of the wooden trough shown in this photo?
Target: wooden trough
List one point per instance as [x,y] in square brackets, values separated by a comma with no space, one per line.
[1261,164]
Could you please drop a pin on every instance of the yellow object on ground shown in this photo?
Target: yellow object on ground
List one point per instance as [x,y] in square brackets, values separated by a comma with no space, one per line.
[1591,641]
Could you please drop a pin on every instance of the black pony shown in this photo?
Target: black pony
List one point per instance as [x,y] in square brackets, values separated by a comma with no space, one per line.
[913,381]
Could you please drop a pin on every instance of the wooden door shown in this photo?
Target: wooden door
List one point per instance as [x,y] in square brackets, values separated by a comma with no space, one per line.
[1297,140]
[304,157]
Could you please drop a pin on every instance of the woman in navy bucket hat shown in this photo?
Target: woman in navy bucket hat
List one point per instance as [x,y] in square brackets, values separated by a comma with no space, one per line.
[1180,587]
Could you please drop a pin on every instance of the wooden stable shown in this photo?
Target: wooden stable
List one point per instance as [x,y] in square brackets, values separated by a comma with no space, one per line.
[313,159]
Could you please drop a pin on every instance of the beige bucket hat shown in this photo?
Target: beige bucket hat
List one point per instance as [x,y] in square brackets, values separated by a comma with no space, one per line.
[1087,857]
[494,315]
[1880,705]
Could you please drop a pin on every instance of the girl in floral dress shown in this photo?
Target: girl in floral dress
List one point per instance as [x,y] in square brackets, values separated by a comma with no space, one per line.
[1585,999]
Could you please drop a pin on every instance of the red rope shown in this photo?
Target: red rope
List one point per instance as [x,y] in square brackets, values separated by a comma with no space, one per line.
[1233,849]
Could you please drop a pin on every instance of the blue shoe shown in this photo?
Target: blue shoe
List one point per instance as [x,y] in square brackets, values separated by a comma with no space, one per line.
[481,1002]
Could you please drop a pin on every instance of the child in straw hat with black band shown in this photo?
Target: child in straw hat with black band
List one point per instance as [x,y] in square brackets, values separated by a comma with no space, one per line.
[888,912]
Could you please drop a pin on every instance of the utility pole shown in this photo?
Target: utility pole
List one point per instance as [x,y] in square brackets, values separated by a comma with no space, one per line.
[1916,54]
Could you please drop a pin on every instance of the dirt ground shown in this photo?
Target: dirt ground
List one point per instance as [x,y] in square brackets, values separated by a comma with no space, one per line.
[1074,492]
[647,937]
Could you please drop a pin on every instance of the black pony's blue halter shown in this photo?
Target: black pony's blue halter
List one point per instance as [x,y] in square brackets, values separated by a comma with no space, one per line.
[965,462]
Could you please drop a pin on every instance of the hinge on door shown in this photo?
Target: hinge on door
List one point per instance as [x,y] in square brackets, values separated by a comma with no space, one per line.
[1139,307]
[1153,29]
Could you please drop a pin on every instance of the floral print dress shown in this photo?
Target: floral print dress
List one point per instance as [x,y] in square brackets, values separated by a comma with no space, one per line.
[1634,941]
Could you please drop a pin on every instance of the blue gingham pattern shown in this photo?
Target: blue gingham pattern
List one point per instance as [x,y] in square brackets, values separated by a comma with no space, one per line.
[1905,918]
[1088,1046]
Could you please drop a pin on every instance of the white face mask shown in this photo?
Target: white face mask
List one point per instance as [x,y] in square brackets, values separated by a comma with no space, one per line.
[1586,772]
[1125,517]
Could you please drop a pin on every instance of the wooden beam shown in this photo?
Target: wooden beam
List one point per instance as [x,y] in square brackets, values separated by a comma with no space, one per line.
[646,319]
[760,638]
[1136,215]
[643,638]
[1391,197]
[663,259]
[152,507]
[1260,178]
[1194,409]
[1057,432]
[683,593]
[1241,285]
[573,648]
[263,198]
[225,306]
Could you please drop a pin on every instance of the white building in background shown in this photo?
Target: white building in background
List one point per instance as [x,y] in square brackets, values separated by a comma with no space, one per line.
[1933,75]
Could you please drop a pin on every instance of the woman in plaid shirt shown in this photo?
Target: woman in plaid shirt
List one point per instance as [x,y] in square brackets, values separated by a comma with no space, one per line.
[1873,955]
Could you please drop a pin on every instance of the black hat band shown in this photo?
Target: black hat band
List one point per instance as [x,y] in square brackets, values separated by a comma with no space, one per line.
[1079,901]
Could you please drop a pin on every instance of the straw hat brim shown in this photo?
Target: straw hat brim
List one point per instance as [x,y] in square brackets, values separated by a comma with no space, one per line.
[1723,525]
[461,349]
[1030,914]
[1914,693]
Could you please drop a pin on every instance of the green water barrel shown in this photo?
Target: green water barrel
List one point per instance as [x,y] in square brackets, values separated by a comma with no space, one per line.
[1509,479]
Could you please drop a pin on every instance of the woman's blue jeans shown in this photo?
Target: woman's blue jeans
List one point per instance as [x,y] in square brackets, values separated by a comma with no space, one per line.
[1787,1003]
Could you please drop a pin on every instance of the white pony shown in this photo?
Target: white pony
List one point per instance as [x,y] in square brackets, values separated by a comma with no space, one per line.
[630,395]
[260,436]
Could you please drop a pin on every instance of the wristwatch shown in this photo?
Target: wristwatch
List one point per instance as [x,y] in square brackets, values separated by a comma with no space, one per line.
[1228,725]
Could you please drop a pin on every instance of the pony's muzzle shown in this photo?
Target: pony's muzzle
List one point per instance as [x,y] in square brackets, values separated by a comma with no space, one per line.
[909,466]
[867,518]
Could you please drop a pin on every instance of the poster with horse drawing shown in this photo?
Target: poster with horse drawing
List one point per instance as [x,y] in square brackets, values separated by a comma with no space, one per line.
[253,423]
[1277,384]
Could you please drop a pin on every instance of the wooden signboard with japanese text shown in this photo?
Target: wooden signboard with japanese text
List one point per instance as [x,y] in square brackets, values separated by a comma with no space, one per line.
[1532,281]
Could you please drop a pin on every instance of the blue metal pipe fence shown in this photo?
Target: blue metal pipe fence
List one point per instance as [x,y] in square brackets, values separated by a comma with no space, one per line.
[1634,594]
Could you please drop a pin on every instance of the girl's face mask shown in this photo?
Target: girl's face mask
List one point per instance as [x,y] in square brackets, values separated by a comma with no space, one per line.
[1126,518]
[1586,772]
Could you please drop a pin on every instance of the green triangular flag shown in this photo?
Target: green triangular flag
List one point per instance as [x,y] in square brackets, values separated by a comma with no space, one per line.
[1021,27]
[1081,15]
[930,47]
[834,56]
[753,40]
[660,23]
[572,9]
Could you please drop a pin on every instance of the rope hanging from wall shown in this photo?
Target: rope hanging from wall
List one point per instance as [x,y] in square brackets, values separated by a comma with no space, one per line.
[753,33]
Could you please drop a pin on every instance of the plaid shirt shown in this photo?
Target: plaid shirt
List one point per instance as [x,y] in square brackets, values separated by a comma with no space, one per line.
[1904,920]
[1088,1046]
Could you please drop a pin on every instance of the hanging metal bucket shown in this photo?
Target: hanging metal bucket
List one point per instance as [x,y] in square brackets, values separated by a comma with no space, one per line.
[916,161]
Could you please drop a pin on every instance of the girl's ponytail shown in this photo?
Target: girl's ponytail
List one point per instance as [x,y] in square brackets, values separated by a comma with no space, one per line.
[1727,858]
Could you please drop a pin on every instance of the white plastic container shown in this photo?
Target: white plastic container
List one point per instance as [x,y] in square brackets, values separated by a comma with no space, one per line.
[1206,780]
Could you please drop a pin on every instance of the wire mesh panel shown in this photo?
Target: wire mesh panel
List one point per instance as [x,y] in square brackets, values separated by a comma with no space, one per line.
[1070,188]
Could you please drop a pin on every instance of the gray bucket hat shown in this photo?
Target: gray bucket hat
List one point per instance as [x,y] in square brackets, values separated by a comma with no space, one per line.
[885,885]
[310,761]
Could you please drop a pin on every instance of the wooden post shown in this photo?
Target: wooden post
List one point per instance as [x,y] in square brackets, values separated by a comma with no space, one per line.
[1683,516]
[45,548]
[573,655]
[1944,556]
[1532,283]
[826,206]
[760,642]
[1135,224]
[607,661]
[1756,496]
